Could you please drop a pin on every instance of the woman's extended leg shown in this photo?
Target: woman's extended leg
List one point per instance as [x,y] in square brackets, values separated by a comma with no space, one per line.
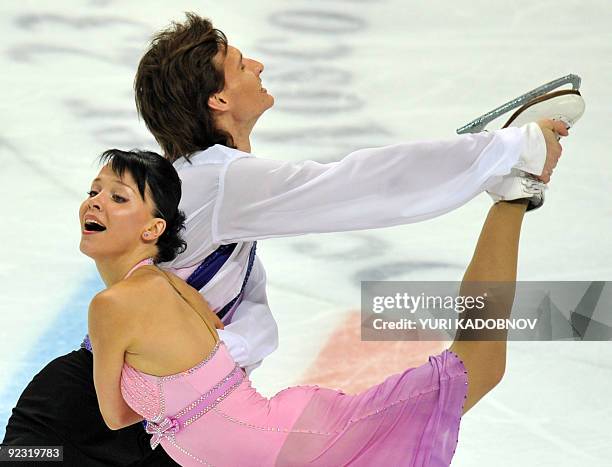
[491,271]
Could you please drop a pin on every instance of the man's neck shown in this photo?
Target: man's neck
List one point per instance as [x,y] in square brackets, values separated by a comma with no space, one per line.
[242,144]
[240,132]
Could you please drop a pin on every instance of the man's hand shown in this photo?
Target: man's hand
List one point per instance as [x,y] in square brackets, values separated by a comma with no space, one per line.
[552,130]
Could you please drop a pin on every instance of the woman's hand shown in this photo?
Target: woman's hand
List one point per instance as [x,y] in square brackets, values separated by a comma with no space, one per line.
[212,316]
[196,300]
[199,303]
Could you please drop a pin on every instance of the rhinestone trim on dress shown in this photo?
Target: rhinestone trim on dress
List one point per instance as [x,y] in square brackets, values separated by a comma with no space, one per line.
[195,368]
[413,395]
[169,426]
[217,393]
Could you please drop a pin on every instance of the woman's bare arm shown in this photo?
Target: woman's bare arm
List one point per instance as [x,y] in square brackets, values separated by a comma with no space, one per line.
[491,273]
[109,331]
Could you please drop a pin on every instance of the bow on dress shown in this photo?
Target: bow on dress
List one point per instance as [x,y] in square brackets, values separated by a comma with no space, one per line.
[164,429]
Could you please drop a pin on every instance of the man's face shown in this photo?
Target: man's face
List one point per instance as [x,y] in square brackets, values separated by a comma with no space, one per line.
[243,93]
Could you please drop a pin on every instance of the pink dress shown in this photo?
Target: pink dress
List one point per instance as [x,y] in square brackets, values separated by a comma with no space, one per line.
[210,415]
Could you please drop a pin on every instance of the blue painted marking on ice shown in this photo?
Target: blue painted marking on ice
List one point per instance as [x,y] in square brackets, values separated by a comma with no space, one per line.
[61,336]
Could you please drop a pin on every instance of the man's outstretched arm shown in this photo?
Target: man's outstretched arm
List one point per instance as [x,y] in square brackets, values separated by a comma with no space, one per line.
[370,188]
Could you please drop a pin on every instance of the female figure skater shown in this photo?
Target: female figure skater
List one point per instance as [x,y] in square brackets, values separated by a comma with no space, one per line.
[157,355]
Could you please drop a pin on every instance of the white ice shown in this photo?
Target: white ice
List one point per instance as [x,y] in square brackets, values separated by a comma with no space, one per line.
[346,74]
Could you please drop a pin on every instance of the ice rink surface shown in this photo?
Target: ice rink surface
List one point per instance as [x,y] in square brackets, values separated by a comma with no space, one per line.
[345,75]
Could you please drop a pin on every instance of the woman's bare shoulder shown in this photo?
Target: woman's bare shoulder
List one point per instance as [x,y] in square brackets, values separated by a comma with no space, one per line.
[139,291]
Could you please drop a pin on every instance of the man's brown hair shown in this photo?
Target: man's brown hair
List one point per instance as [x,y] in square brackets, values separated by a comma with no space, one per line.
[174,81]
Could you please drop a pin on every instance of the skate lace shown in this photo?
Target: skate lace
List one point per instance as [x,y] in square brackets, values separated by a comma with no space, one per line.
[532,186]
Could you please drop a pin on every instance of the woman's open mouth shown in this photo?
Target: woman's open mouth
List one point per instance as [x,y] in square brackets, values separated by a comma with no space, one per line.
[93,226]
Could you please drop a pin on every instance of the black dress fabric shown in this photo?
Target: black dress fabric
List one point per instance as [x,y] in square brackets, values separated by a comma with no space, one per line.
[59,408]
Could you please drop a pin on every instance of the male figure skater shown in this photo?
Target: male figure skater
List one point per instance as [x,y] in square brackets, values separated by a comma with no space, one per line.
[201,100]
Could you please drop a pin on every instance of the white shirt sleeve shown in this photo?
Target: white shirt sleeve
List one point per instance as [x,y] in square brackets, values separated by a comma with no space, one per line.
[533,156]
[369,188]
[253,334]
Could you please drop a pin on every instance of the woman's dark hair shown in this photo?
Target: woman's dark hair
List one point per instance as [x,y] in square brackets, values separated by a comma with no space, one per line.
[175,78]
[152,170]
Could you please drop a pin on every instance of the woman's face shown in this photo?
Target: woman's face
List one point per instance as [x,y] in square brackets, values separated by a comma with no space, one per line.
[114,217]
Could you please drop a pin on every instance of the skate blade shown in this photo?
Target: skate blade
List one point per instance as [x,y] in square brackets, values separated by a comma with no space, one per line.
[481,122]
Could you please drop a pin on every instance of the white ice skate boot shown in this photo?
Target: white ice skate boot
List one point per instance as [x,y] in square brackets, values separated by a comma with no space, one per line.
[518,185]
[566,106]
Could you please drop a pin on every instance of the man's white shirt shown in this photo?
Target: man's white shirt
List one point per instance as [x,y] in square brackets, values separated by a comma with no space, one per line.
[230,196]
